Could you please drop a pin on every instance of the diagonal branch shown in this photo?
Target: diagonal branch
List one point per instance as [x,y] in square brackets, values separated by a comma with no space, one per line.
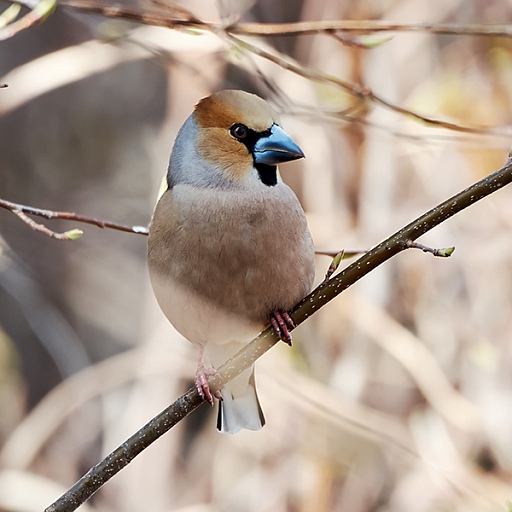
[360,92]
[399,241]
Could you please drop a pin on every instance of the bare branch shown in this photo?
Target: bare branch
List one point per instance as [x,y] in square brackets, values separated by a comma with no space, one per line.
[178,17]
[299,27]
[367,27]
[445,252]
[20,210]
[68,235]
[324,293]
[329,28]
[144,16]
[360,92]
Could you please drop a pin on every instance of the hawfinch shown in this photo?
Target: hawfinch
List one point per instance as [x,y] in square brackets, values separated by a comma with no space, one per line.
[229,248]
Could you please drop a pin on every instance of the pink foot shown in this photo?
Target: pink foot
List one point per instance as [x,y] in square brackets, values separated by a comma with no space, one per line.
[282,324]
[201,380]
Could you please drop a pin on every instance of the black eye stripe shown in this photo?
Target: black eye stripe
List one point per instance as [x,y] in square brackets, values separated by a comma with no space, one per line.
[267,173]
[250,138]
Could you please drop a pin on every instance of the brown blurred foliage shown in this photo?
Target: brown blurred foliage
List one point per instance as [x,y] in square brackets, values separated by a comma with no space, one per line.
[396,397]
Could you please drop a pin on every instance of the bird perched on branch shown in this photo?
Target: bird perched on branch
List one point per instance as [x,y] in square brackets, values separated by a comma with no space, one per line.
[229,248]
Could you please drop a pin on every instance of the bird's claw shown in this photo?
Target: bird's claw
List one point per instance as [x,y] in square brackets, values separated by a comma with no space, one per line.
[282,323]
[202,385]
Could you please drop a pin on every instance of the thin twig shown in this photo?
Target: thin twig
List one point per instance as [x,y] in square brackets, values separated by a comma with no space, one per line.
[363,42]
[346,254]
[144,16]
[324,293]
[21,210]
[445,252]
[188,21]
[305,27]
[369,27]
[67,235]
[358,91]
[50,214]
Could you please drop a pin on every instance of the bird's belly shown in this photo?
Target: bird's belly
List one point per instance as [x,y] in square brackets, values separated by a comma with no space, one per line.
[225,261]
[198,319]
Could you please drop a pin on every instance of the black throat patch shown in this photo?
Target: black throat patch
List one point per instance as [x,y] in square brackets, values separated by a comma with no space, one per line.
[267,174]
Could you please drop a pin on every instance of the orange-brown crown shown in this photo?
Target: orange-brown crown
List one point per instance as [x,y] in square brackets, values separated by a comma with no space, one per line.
[216,114]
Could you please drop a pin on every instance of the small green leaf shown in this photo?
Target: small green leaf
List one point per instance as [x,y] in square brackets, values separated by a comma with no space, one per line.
[44,8]
[334,265]
[373,41]
[446,252]
[73,234]
[337,259]
[9,15]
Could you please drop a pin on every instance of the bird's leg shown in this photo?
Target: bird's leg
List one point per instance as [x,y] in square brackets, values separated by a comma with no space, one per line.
[282,324]
[201,380]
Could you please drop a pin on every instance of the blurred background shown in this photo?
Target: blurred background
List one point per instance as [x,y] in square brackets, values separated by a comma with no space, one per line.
[397,396]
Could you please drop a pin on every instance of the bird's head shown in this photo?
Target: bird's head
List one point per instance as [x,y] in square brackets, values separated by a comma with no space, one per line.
[231,139]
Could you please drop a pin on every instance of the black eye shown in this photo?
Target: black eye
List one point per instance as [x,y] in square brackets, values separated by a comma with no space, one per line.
[239,131]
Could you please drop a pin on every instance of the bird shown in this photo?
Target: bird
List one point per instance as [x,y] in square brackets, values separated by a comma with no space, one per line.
[229,249]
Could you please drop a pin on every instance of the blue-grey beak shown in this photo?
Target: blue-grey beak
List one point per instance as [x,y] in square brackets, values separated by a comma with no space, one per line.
[276,148]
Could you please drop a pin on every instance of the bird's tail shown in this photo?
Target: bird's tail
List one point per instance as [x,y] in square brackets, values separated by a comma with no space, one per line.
[240,407]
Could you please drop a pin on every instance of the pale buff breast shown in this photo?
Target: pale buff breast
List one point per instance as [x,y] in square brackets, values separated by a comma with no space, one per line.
[229,256]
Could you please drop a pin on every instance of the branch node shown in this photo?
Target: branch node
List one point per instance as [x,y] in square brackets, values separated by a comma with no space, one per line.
[72,234]
[21,210]
[444,252]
